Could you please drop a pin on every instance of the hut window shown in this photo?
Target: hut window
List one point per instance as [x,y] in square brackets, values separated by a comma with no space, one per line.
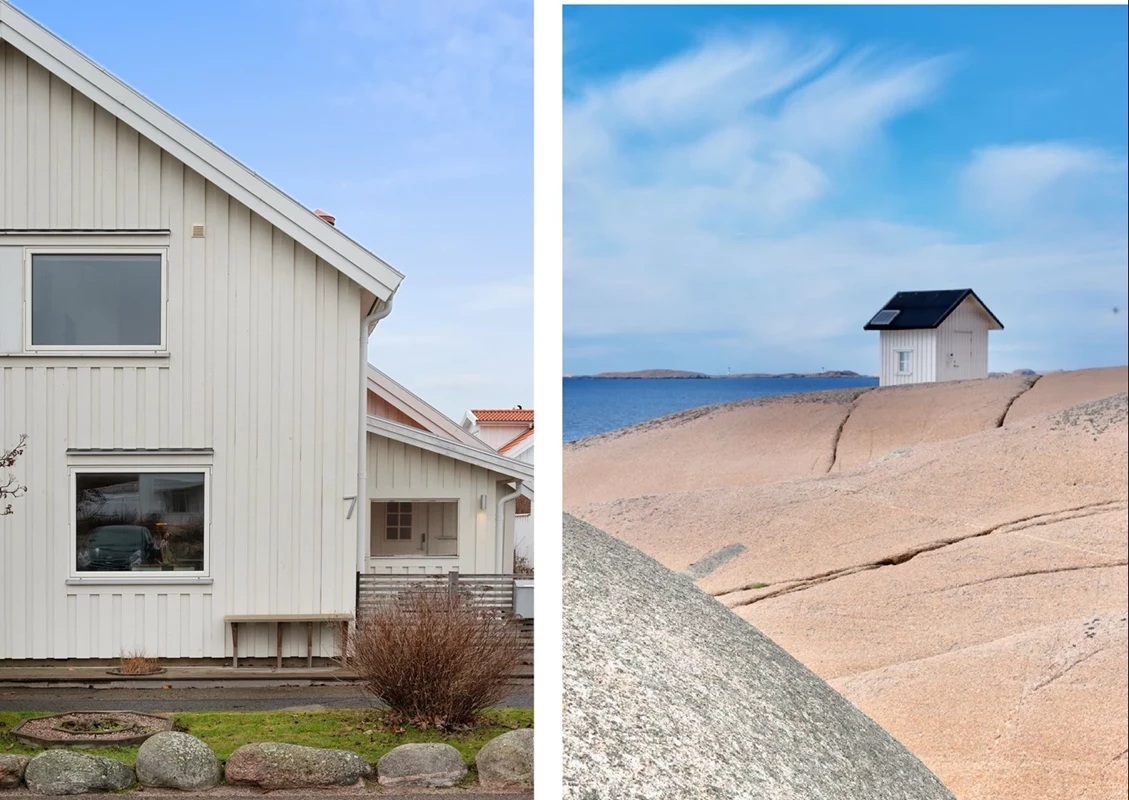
[905,362]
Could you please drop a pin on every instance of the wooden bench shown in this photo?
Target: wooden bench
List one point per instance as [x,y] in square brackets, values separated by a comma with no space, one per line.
[282,619]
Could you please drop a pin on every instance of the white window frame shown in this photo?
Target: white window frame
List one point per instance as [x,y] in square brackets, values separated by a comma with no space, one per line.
[399,527]
[458,527]
[98,249]
[147,577]
[898,362]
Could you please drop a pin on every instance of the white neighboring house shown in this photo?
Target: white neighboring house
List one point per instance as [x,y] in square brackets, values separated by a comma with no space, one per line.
[928,337]
[185,347]
[441,499]
[510,431]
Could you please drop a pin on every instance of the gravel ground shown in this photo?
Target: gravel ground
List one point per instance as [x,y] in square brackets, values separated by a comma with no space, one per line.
[307,698]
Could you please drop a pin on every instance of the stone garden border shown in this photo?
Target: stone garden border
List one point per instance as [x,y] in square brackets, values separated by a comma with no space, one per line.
[273,766]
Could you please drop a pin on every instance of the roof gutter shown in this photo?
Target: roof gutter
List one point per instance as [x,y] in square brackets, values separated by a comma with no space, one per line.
[368,324]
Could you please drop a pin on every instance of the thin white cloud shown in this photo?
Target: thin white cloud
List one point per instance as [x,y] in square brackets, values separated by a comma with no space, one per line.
[1009,182]
[735,127]
[845,108]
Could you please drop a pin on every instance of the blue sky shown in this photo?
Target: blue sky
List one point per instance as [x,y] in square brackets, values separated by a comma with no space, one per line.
[411,122]
[746,186]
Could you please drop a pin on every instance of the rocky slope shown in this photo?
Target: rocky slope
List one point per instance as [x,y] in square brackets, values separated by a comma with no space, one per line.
[952,557]
[669,695]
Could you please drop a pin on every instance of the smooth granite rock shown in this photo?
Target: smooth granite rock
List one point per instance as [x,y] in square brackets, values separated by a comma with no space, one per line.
[174,760]
[271,765]
[506,761]
[59,772]
[669,694]
[433,765]
[12,771]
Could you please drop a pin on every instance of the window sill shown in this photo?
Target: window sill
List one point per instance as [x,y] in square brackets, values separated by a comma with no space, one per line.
[88,354]
[170,581]
[78,358]
[418,558]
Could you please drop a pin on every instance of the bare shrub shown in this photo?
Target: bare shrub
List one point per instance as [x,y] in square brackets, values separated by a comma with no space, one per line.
[522,565]
[137,663]
[434,658]
[10,486]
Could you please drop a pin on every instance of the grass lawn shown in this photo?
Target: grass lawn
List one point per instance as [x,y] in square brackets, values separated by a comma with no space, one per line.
[367,732]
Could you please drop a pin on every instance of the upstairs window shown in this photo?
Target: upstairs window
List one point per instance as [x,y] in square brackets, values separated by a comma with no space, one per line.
[96,301]
[905,362]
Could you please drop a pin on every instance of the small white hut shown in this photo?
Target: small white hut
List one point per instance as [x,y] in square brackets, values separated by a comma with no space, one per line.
[928,337]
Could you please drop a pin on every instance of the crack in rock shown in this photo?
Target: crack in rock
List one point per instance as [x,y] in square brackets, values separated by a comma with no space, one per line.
[839,434]
[1033,521]
[1009,576]
[1003,416]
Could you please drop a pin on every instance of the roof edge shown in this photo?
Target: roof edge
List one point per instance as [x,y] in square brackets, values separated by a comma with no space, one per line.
[964,295]
[410,403]
[487,459]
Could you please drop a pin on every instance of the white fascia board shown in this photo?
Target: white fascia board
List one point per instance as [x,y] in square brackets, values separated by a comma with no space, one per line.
[470,422]
[404,399]
[487,459]
[983,310]
[520,447]
[196,152]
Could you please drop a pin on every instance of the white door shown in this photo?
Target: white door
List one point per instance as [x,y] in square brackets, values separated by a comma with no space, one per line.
[960,359]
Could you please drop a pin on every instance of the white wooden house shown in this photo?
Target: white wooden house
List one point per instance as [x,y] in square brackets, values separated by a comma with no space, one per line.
[185,347]
[927,337]
[441,499]
[510,431]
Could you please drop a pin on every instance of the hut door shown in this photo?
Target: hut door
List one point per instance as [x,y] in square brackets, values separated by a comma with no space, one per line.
[962,354]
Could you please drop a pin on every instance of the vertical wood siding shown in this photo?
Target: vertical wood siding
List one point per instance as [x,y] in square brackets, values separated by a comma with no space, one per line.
[924,362]
[955,360]
[498,435]
[379,407]
[262,341]
[398,471]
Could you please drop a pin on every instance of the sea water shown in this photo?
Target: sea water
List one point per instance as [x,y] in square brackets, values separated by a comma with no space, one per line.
[597,405]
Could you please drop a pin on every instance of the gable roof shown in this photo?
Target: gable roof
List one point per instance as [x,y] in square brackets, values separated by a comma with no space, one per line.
[916,310]
[416,408]
[485,458]
[196,152]
[514,445]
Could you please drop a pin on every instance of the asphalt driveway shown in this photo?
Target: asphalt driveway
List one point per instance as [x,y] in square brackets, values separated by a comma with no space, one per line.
[238,696]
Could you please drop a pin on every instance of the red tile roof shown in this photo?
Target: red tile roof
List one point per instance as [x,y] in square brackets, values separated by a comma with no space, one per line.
[516,441]
[503,414]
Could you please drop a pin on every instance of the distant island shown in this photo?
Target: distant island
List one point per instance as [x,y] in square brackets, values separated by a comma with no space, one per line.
[684,374]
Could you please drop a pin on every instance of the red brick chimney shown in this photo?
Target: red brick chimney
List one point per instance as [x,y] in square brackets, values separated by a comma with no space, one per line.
[325,215]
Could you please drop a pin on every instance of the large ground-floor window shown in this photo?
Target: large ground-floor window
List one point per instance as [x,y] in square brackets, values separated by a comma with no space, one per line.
[137,521]
[415,528]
